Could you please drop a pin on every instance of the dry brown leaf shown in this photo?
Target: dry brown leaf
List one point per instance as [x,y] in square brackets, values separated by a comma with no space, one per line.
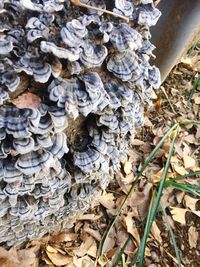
[155,231]
[189,162]
[180,170]
[144,206]
[107,200]
[197,100]
[131,228]
[9,258]
[121,238]
[127,166]
[190,202]
[137,142]
[92,232]
[27,100]
[63,237]
[89,217]
[58,259]
[193,237]
[29,257]
[159,175]
[83,262]
[88,247]
[51,249]
[153,95]
[178,214]
[179,196]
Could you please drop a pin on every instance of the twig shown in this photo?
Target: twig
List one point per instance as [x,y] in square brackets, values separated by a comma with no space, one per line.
[171,106]
[78,3]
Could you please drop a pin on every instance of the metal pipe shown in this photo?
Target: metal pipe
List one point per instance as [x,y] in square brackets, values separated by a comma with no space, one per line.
[175,32]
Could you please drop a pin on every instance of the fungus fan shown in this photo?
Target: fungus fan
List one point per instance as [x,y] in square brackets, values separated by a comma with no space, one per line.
[89,64]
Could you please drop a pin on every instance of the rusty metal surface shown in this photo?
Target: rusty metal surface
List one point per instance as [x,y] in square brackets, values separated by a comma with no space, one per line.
[176,31]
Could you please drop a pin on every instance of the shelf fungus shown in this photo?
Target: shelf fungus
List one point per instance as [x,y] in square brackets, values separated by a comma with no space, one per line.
[88,63]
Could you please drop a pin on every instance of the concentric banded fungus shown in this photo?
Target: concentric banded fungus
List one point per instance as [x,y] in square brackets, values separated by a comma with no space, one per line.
[124,37]
[124,65]
[91,71]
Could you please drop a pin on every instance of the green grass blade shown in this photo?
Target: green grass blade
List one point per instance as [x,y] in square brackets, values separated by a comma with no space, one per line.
[149,158]
[121,252]
[176,249]
[180,177]
[193,189]
[152,214]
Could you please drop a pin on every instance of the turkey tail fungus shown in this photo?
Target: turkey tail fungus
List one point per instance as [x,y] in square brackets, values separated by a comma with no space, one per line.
[88,64]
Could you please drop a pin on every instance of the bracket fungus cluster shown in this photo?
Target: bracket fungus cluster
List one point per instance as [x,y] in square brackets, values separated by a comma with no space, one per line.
[88,61]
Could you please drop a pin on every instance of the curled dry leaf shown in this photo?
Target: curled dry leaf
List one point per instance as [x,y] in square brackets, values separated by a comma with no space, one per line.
[85,261]
[193,236]
[189,162]
[178,214]
[131,228]
[27,100]
[144,206]
[58,259]
[8,258]
[89,217]
[180,170]
[190,202]
[127,166]
[88,247]
[155,231]
[64,237]
[107,200]
[51,249]
[92,232]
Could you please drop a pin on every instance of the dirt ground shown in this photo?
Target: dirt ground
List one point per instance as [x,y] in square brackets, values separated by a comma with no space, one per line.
[178,99]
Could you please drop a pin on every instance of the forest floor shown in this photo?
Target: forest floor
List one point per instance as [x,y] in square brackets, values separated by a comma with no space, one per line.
[177,100]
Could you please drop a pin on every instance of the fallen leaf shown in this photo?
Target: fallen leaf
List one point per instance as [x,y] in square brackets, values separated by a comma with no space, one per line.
[51,249]
[155,231]
[88,247]
[9,258]
[190,202]
[131,228]
[159,175]
[83,262]
[89,217]
[58,259]
[153,95]
[179,196]
[107,200]
[27,100]
[92,232]
[189,162]
[121,238]
[180,170]
[197,100]
[127,167]
[178,214]
[63,237]
[137,142]
[144,206]
[193,237]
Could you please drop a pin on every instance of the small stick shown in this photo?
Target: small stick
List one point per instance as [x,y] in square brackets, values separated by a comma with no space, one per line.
[164,92]
[78,3]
